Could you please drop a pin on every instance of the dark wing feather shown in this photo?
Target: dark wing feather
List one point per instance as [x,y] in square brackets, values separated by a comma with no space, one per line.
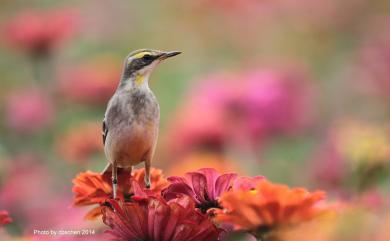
[104,131]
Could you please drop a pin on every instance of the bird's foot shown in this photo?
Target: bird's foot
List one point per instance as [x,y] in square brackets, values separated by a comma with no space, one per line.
[147,183]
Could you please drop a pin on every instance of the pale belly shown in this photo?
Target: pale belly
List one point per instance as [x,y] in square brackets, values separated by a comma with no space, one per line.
[131,145]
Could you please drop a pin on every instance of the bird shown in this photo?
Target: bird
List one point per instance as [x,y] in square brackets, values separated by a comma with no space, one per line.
[131,120]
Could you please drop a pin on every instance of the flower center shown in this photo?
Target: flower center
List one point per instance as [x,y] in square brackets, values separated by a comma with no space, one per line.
[207,205]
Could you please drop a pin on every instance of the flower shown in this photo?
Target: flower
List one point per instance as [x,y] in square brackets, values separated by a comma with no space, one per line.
[383,231]
[4,218]
[274,101]
[24,168]
[156,219]
[191,134]
[371,199]
[81,142]
[263,102]
[204,186]
[90,83]
[355,157]
[246,183]
[268,207]
[27,180]
[328,169]
[157,180]
[28,110]
[39,32]
[94,188]
[362,143]
[207,99]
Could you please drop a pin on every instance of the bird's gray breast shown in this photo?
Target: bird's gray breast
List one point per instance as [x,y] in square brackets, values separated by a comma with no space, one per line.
[132,120]
[134,107]
[144,106]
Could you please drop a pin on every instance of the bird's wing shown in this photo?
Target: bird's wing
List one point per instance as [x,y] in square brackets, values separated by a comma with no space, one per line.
[104,131]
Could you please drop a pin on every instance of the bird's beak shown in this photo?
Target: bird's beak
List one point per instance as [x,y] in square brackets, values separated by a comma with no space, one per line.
[169,54]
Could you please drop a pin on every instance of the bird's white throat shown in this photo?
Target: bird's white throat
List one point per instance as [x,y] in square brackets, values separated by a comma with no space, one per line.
[140,80]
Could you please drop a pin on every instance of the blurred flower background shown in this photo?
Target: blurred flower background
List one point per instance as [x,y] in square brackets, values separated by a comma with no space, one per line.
[296,91]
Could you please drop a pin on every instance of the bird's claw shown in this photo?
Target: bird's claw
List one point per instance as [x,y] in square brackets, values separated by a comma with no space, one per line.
[147,183]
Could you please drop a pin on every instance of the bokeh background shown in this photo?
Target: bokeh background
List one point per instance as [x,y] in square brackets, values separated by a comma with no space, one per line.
[295,90]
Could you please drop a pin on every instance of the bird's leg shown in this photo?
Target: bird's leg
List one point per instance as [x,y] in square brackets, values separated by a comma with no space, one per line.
[106,169]
[114,179]
[147,172]
[130,170]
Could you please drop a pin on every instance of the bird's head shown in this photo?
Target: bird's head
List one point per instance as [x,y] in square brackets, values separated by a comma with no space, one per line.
[139,64]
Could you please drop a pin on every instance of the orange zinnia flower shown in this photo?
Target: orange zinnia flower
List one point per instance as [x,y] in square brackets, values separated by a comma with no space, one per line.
[268,207]
[157,179]
[92,188]
[81,142]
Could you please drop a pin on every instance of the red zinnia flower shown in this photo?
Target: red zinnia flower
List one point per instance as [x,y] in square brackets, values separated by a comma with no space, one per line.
[4,218]
[155,219]
[91,83]
[204,186]
[269,207]
[39,32]
[94,188]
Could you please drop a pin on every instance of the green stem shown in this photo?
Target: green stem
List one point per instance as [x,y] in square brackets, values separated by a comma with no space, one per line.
[43,70]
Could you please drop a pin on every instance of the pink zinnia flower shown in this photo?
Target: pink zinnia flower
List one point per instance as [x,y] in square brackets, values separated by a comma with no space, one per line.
[26,181]
[271,102]
[207,99]
[23,169]
[372,199]
[204,186]
[4,218]
[157,220]
[328,168]
[39,33]
[245,108]
[29,110]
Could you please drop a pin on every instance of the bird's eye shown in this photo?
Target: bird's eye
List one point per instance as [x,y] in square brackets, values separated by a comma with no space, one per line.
[147,57]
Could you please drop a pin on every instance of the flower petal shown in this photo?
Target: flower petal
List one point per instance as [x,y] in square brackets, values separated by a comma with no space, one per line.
[199,185]
[223,183]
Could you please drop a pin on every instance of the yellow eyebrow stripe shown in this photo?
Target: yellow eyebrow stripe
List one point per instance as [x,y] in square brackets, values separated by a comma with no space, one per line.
[140,55]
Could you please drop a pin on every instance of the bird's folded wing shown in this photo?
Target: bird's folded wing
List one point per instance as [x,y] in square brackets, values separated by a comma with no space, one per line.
[104,131]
